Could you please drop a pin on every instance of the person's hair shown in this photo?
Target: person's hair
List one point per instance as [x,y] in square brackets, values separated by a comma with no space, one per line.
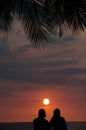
[56,112]
[41,113]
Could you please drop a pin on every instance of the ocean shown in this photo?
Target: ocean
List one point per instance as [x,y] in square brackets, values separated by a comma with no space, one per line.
[29,126]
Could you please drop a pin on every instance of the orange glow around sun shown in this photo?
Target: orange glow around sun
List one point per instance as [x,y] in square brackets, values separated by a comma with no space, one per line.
[46,101]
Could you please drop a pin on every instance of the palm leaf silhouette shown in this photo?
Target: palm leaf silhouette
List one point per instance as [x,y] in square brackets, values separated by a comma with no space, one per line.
[33,22]
[70,14]
[6,15]
[30,13]
[40,16]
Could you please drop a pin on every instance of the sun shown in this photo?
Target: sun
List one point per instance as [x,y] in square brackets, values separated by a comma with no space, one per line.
[46,101]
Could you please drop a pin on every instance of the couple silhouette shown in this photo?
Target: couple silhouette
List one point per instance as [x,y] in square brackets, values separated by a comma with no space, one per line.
[57,122]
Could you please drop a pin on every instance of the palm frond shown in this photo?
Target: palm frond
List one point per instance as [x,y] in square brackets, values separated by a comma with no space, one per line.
[69,14]
[6,15]
[75,14]
[30,13]
[40,16]
[33,23]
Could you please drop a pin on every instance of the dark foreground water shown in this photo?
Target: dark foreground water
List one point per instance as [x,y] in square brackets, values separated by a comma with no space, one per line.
[29,126]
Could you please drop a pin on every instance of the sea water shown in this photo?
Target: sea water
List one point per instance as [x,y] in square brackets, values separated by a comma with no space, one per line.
[29,126]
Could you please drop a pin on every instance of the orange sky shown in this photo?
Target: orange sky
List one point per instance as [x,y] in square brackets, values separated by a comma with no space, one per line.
[27,76]
[23,105]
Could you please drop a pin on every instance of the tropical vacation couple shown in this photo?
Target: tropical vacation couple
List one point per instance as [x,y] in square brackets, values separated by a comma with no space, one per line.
[57,122]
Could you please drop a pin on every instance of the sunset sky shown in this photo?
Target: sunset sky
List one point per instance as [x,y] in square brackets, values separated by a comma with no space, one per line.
[27,76]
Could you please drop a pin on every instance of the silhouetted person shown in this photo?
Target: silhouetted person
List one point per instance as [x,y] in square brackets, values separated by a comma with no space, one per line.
[40,123]
[57,122]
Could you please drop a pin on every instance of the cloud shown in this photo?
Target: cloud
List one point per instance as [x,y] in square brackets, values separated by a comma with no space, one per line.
[48,72]
[59,64]
[55,39]
[4,47]
[23,48]
[15,67]
[6,92]
[69,38]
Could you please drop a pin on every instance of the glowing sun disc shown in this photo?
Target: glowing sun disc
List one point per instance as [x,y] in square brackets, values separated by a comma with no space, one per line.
[46,101]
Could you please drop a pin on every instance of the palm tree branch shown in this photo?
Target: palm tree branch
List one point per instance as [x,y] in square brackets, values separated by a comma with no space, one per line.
[32,21]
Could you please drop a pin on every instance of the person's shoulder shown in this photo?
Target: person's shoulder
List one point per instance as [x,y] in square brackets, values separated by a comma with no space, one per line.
[35,119]
[51,119]
[46,120]
[62,118]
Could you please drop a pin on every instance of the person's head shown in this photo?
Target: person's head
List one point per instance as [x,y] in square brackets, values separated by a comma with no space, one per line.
[41,113]
[56,112]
